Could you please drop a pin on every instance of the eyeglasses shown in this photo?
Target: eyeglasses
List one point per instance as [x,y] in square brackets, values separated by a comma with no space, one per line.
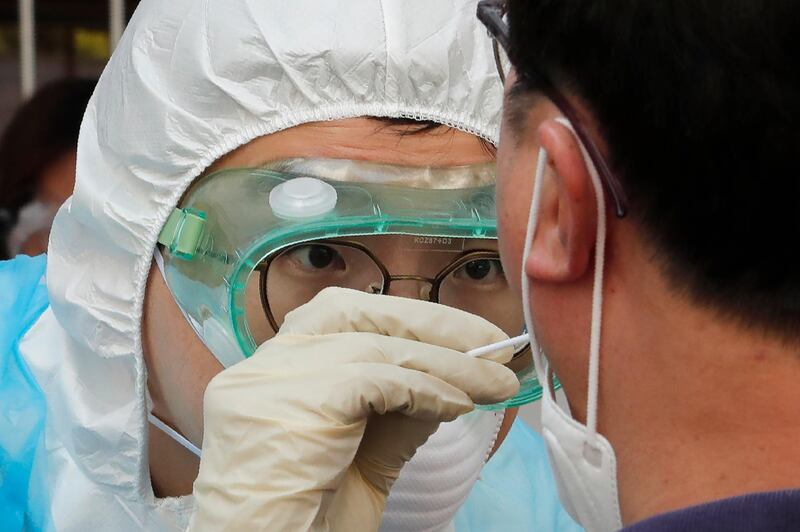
[492,14]
[473,281]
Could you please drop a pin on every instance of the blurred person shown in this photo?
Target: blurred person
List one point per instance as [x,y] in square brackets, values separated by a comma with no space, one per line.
[37,164]
[278,161]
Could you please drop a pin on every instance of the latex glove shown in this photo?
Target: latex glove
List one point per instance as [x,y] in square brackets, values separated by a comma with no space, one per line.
[312,430]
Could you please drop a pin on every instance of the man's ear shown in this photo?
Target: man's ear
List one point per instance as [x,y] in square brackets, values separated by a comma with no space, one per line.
[567,222]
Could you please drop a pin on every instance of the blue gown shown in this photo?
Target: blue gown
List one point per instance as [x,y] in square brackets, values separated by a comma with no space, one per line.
[23,298]
[516,490]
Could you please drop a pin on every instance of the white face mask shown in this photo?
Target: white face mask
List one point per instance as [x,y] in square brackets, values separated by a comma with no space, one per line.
[583,461]
[437,480]
[33,217]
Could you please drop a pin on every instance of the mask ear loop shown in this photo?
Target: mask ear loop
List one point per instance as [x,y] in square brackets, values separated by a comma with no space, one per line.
[597,298]
[591,450]
[533,215]
[174,434]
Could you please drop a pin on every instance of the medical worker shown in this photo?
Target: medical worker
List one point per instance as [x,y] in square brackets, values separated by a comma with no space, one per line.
[257,153]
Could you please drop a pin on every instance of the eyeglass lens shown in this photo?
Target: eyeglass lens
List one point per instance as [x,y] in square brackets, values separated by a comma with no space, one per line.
[473,282]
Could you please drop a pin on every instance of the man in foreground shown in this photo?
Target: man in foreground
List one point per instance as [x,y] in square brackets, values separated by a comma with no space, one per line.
[661,138]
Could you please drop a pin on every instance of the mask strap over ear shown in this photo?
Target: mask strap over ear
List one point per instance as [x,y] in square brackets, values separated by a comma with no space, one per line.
[597,293]
[597,289]
[533,216]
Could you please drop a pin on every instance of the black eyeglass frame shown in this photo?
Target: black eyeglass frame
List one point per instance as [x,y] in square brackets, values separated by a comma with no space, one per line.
[491,13]
[435,282]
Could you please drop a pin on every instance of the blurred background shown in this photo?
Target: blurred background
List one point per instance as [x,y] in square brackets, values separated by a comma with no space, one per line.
[46,40]
[51,55]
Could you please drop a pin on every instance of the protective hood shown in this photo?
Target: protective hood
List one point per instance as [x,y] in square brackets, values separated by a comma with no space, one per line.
[191,81]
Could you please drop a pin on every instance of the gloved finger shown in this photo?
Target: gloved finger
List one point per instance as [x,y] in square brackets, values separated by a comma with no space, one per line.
[331,396]
[389,442]
[302,432]
[484,381]
[336,310]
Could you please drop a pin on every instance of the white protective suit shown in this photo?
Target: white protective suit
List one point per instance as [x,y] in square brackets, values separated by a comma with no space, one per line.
[190,81]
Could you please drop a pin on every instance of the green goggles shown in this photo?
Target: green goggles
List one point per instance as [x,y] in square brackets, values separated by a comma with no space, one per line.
[247,246]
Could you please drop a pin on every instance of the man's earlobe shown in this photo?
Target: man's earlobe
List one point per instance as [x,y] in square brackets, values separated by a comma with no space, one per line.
[565,233]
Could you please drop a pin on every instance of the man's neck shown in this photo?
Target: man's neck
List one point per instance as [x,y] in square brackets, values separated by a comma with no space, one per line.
[697,407]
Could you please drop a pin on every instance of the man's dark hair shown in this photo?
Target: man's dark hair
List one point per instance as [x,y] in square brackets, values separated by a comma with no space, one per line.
[699,104]
[41,131]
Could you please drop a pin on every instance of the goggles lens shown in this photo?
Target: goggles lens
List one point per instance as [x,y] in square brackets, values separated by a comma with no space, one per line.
[247,246]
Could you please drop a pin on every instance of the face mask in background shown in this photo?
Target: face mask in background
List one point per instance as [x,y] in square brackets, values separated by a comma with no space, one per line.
[437,480]
[34,217]
[583,461]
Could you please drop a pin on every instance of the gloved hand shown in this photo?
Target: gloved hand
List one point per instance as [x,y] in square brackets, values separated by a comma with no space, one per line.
[312,430]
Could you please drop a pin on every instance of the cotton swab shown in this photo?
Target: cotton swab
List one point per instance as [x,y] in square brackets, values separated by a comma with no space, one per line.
[497,346]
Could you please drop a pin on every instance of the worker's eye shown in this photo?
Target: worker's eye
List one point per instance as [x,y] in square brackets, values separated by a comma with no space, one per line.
[314,258]
[483,271]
